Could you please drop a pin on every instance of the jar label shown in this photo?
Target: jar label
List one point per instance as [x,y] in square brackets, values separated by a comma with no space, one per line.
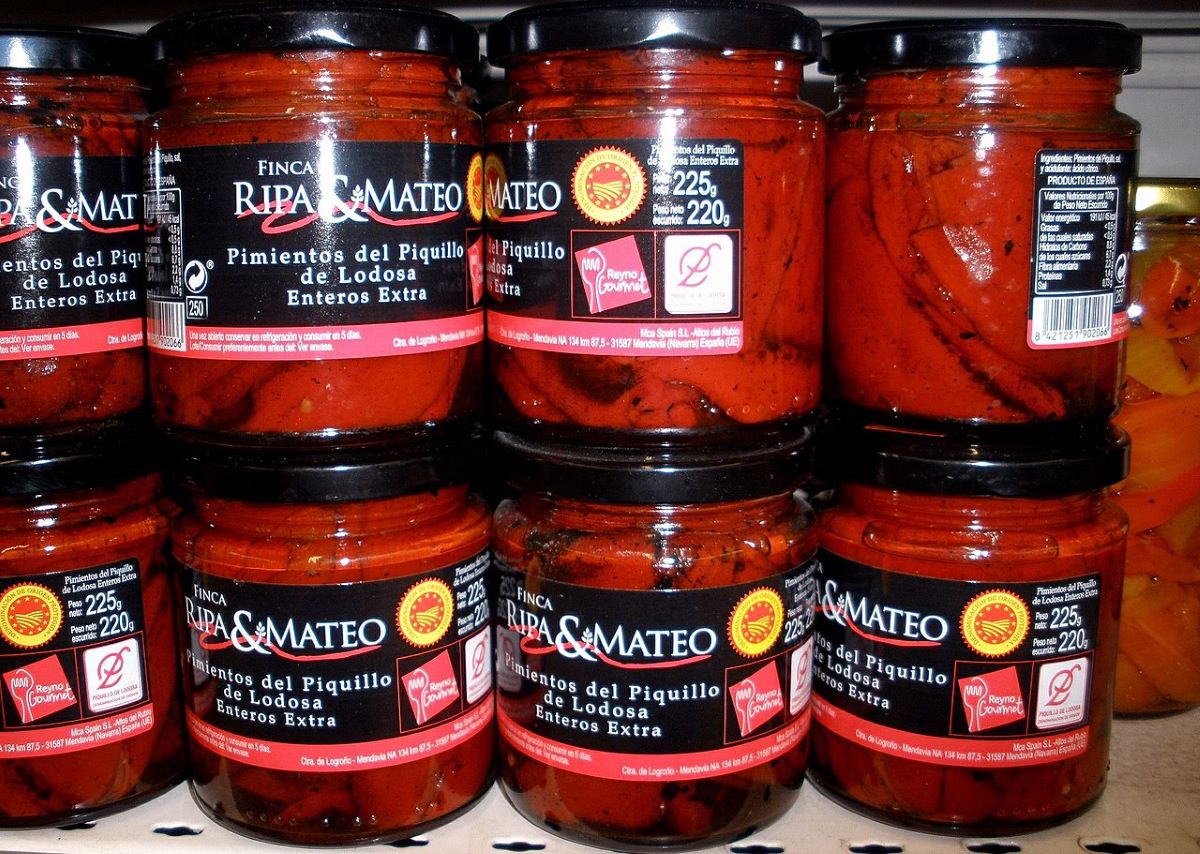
[654,684]
[339,677]
[70,256]
[971,674]
[73,660]
[1082,233]
[323,250]
[628,247]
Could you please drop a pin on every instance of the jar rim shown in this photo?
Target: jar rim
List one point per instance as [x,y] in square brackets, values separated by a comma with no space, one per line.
[65,49]
[283,470]
[714,25]
[1032,42]
[314,25]
[771,463]
[1051,462]
[79,457]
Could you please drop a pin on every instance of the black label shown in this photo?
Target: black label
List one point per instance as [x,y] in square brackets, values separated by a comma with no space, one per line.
[400,663]
[636,238]
[716,675]
[899,655]
[72,660]
[322,235]
[70,246]
[1082,235]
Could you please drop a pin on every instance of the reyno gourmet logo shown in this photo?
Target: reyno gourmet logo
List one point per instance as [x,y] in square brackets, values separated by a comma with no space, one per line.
[39,689]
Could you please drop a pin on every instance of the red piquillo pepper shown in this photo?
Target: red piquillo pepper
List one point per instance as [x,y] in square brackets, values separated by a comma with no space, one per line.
[70,233]
[1158,666]
[966,637]
[979,185]
[657,617]
[654,196]
[314,222]
[91,717]
[345,634]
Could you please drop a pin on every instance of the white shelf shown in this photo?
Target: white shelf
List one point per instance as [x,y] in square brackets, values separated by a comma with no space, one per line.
[1152,805]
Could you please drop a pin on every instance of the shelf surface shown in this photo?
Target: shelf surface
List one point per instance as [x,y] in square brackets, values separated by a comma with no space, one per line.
[1152,805]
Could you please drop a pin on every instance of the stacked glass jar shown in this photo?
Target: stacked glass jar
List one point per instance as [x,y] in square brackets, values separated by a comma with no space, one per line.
[654,202]
[314,245]
[1159,665]
[979,214]
[89,711]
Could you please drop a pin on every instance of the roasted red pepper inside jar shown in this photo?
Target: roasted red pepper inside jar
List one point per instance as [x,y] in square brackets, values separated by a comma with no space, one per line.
[87,632]
[972,275]
[349,723]
[337,284]
[963,679]
[686,296]
[621,567]
[1158,666]
[70,231]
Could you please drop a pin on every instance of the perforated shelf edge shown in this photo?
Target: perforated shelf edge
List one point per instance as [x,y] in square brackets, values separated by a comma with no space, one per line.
[1152,805]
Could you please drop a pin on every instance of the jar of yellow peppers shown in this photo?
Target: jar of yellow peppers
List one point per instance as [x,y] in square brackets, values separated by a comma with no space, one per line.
[1158,669]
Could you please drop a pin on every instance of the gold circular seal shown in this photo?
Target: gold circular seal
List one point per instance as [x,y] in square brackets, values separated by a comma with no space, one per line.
[495,176]
[475,190]
[995,623]
[30,615]
[609,185]
[756,621]
[425,612]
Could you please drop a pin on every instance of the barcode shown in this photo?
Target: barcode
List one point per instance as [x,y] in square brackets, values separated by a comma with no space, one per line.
[1066,320]
[165,325]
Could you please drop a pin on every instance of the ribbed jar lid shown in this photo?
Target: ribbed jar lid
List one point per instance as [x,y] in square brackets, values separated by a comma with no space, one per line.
[628,25]
[421,460]
[71,49]
[774,463]
[1063,462]
[74,458]
[1038,42]
[315,25]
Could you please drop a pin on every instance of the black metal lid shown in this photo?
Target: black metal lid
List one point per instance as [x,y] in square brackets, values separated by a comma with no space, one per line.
[74,458]
[629,24]
[778,462]
[1048,42]
[315,25]
[71,49]
[957,462]
[346,469]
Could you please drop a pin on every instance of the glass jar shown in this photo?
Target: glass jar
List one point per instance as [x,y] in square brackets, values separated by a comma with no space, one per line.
[313,223]
[71,287]
[653,640]
[1158,666]
[980,182]
[338,658]
[91,718]
[963,671]
[654,202]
